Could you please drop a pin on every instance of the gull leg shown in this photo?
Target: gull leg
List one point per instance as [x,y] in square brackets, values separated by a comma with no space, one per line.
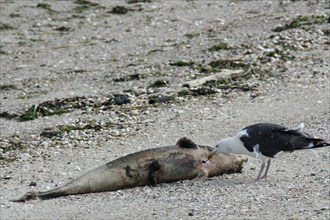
[267,168]
[262,168]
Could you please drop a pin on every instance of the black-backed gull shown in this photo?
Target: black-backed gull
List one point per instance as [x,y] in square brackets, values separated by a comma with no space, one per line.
[265,141]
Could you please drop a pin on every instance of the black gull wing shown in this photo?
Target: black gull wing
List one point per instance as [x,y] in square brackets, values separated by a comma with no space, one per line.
[273,139]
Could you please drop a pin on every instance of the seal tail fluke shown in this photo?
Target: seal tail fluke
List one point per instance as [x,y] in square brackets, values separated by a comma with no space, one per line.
[28,196]
[57,192]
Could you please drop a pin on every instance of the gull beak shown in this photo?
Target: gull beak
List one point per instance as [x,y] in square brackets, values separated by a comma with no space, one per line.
[209,157]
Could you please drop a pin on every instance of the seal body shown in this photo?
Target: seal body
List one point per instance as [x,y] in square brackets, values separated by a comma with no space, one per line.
[182,161]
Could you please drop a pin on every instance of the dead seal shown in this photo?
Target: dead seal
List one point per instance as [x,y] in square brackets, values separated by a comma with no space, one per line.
[183,161]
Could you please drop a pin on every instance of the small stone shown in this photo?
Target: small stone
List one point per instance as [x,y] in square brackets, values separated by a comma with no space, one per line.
[33,184]
[121,99]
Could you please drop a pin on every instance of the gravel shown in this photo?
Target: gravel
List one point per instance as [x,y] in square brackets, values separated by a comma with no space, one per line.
[111,65]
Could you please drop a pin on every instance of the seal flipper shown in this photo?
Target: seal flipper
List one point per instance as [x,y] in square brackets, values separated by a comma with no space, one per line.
[202,175]
[186,143]
[129,171]
[153,168]
[28,196]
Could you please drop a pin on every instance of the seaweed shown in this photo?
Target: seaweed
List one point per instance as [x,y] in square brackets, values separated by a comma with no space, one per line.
[14,15]
[43,109]
[86,2]
[302,21]
[228,64]
[181,63]
[192,35]
[326,32]
[68,128]
[85,5]
[62,29]
[219,46]
[205,69]
[46,7]
[7,87]
[11,145]
[216,83]
[136,76]
[66,105]
[159,83]
[56,107]
[7,115]
[4,26]
[203,91]
[138,1]
[120,10]
[281,54]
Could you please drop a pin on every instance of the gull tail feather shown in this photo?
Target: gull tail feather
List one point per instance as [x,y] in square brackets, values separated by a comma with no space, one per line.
[317,143]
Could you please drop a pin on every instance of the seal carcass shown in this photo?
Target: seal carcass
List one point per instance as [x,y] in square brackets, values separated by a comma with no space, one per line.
[183,161]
